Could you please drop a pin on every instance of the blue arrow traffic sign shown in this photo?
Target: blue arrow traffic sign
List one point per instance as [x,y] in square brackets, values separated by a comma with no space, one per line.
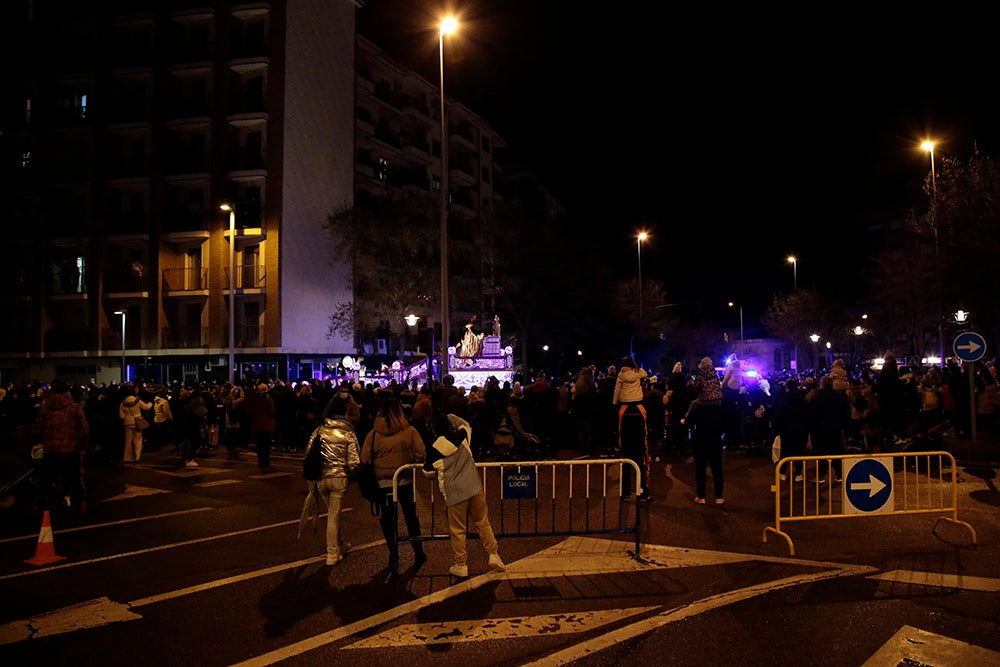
[868,485]
[969,346]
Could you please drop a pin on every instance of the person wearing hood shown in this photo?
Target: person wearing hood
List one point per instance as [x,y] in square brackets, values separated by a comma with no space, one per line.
[61,426]
[340,457]
[632,426]
[393,442]
[705,417]
[450,460]
[130,412]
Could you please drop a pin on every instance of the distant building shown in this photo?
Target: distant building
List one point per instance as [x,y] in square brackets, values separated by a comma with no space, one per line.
[119,147]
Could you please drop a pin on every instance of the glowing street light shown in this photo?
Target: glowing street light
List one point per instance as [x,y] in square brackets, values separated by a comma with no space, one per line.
[794,261]
[124,373]
[231,210]
[815,339]
[448,26]
[929,147]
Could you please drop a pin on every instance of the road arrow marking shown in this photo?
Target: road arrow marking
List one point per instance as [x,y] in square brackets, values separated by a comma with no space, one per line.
[874,485]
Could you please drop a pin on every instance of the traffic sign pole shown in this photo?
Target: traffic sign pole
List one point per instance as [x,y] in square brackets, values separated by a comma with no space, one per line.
[970,347]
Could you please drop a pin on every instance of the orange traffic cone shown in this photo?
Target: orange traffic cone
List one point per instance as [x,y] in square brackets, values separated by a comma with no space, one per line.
[45,553]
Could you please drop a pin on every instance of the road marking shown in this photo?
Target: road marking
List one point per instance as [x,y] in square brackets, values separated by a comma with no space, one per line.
[135,492]
[455,632]
[269,475]
[940,580]
[913,646]
[584,649]
[34,536]
[219,482]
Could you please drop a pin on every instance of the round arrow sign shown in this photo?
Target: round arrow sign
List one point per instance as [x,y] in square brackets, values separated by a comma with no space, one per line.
[868,485]
[969,346]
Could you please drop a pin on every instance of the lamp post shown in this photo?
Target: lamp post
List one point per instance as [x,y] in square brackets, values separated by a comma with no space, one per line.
[124,373]
[733,305]
[794,261]
[448,26]
[638,248]
[929,147]
[815,339]
[858,332]
[232,286]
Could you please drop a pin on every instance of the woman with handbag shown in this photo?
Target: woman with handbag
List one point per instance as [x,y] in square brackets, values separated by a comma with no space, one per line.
[394,442]
[130,412]
[337,446]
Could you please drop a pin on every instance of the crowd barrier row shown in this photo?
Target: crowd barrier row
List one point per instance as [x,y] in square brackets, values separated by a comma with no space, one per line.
[537,498]
[871,485]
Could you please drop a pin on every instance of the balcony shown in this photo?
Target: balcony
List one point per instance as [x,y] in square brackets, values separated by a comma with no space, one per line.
[124,284]
[249,278]
[191,282]
[249,335]
[135,339]
[67,340]
[185,338]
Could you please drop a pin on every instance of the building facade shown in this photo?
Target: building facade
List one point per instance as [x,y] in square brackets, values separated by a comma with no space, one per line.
[125,126]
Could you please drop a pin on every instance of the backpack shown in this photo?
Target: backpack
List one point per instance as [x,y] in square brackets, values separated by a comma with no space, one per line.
[312,464]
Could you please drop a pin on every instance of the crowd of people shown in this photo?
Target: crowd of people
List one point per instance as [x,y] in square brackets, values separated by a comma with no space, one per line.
[623,411]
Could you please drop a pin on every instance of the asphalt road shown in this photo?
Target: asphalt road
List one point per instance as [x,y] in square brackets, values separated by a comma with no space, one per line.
[202,566]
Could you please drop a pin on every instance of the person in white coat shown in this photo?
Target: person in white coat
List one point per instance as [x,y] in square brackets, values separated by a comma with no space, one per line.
[130,411]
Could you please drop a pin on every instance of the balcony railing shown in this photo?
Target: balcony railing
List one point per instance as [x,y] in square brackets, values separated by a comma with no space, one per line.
[249,335]
[122,281]
[184,337]
[65,340]
[185,280]
[248,276]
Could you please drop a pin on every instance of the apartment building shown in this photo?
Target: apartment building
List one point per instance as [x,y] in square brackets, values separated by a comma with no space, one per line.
[398,146]
[125,125]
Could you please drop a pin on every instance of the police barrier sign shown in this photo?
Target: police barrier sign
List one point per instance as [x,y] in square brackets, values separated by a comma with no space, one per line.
[520,483]
[868,485]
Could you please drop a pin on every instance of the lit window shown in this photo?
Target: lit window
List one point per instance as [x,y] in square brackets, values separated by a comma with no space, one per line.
[26,159]
[382,170]
[27,112]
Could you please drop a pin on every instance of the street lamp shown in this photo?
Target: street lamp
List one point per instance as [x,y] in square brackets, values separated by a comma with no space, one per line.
[732,305]
[229,208]
[794,261]
[638,247]
[815,339]
[929,147]
[448,26]
[124,374]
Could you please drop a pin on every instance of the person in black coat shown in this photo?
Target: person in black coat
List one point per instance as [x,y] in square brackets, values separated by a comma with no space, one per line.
[829,417]
[791,423]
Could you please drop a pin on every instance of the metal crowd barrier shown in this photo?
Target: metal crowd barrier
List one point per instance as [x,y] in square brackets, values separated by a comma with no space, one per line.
[869,487]
[536,498]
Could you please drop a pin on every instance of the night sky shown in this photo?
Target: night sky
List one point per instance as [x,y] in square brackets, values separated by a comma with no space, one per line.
[736,139]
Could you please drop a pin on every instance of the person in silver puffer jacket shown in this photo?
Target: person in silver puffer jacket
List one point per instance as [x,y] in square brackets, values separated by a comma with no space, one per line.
[341,456]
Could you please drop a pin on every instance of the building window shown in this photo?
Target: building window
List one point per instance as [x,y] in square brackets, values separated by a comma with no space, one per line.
[27,112]
[436,183]
[485,141]
[382,170]
[25,159]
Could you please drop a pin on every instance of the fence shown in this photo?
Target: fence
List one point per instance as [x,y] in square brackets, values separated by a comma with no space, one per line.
[537,498]
[868,488]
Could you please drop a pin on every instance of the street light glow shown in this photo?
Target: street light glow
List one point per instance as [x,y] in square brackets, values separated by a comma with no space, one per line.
[449,25]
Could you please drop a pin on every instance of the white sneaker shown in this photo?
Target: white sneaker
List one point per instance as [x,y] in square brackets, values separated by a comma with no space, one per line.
[496,564]
[460,571]
[192,464]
